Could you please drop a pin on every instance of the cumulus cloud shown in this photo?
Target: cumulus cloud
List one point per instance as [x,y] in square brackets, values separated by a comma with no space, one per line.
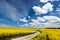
[51,18]
[48,7]
[34,23]
[39,10]
[53,0]
[44,1]
[25,25]
[23,20]
[40,19]
[51,21]
[29,17]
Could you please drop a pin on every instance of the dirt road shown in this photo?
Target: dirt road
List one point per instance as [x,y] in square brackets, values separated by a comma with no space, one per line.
[27,37]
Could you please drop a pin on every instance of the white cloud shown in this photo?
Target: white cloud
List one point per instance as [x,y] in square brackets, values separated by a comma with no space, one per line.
[53,0]
[51,18]
[50,24]
[35,23]
[23,20]
[39,10]
[40,19]
[44,1]
[29,17]
[24,25]
[48,7]
[53,21]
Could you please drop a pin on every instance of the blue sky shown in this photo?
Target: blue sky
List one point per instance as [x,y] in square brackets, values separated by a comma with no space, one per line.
[30,13]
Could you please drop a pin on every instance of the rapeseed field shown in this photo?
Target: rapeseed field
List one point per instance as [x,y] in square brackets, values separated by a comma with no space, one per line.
[48,34]
[8,33]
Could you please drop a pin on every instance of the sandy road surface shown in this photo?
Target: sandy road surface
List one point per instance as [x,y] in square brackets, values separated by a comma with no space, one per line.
[27,37]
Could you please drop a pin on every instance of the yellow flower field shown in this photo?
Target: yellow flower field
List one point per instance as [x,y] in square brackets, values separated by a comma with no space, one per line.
[15,30]
[7,33]
[48,34]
